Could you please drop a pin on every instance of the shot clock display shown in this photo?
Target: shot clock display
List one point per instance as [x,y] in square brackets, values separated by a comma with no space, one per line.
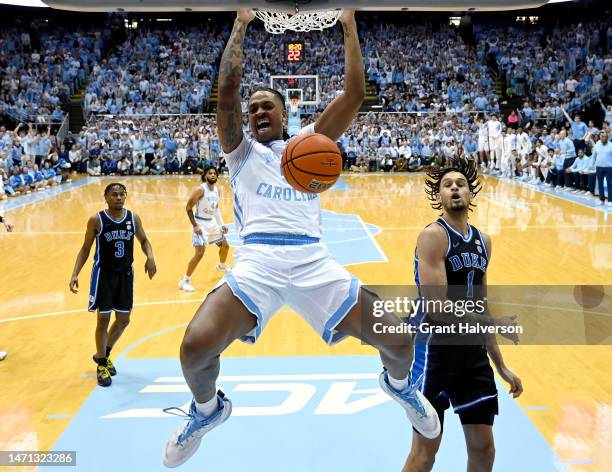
[294,51]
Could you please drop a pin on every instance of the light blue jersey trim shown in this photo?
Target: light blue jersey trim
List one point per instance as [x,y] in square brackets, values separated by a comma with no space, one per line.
[464,238]
[248,303]
[445,226]
[243,162]
[117,221]
[93,288]
[330,335]
[280,239]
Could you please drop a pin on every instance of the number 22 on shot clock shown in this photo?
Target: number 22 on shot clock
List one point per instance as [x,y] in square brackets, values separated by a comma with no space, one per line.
[294,51]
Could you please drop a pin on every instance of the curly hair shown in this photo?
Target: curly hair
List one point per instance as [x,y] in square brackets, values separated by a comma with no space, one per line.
[435,175]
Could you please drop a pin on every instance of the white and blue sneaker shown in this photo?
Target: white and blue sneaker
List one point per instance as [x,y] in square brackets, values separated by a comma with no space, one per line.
[185,441]
[420,412]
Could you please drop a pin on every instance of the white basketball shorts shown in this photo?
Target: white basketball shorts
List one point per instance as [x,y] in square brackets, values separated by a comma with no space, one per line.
[212,233]
[305,277]
[483,145]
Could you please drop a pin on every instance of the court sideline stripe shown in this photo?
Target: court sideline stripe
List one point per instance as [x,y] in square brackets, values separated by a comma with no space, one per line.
[79,310]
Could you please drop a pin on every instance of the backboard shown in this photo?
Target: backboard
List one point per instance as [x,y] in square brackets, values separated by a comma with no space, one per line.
[290,5]
[303,87]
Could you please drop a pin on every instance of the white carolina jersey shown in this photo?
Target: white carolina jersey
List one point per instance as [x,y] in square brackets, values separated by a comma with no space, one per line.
[206,207]
[495,128]
[264,202]
[483,132]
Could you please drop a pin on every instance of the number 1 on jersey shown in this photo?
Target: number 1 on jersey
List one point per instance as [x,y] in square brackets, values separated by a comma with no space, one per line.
[470,280]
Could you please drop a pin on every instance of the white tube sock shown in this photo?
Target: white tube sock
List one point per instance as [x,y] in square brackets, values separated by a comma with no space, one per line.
[399,385]
[208,408]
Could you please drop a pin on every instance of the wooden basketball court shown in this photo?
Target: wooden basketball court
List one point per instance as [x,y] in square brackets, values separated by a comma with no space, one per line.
[48,375]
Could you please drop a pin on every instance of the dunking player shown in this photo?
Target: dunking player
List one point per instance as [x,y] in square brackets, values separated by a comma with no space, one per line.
[282,260]
[451,256]
[112,277]
[208,227]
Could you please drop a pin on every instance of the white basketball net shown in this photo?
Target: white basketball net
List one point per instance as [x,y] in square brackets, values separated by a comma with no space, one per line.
[278,22]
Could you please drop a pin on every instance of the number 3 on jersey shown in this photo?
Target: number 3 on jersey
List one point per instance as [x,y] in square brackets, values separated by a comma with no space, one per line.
[120,249]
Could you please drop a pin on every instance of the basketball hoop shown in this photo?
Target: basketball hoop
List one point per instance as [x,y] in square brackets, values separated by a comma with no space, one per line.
[278,22]
[294,104]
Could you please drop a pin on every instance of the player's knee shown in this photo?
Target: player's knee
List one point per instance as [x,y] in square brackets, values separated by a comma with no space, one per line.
[103,321]
[199,252]
[123,321]
[484,453]
[199,346]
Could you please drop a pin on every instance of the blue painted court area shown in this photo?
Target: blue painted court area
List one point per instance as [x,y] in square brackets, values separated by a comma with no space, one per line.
[348,237]
[299,414]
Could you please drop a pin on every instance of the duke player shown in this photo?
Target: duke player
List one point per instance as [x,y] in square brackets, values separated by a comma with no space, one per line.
[112,277]
[282,261]
[208,227]
[451,259]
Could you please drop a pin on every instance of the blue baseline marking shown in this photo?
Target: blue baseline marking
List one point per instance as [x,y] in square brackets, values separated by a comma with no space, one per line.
[17,202]
[376,438]
[340,185]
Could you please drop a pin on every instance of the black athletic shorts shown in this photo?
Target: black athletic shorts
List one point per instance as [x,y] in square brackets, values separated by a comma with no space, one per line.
[460,376]
[111,290]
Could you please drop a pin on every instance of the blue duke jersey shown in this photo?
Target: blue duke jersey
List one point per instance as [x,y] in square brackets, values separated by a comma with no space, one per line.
[115,241]
[466,258]
[264,202]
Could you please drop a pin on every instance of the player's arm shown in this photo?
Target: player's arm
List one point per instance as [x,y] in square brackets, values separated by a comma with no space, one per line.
[516,387]
[339,114]
[566,115]
[145,244]
[90,236]
[193,199]
[229,110]
[432,245]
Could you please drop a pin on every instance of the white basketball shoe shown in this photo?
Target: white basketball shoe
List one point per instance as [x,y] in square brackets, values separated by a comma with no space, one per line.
[185,441]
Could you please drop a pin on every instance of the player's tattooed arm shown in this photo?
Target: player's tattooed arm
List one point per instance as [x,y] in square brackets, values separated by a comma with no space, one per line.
[229,110]
[339,114]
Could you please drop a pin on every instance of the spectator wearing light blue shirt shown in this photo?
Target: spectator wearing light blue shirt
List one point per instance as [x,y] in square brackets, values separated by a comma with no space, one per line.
[555,174]
[572,173]
[603,166]
[579,130]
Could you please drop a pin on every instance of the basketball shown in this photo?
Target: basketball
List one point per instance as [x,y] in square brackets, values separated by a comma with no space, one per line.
[311,163]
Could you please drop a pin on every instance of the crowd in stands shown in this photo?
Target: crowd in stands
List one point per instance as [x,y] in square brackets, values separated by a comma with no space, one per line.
[30,160]
[427,68]
[40,71]
[157,71]
[566,66]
